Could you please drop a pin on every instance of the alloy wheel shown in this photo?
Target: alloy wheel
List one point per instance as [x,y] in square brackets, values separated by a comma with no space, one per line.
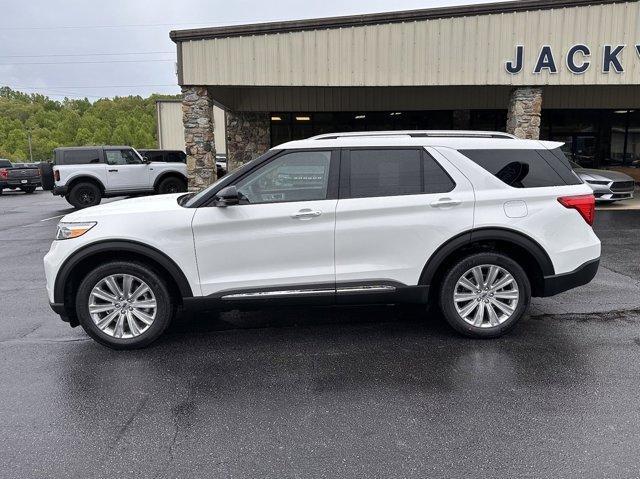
[486,296]
[122,306]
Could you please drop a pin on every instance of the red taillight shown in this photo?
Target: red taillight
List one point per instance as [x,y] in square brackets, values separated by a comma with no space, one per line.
[4,173]
[56,175]
[584,204]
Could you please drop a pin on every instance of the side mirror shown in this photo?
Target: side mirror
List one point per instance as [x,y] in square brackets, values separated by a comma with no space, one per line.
[228,196]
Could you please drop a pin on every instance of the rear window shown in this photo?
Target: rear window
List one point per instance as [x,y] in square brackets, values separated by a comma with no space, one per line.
[525,168]
[5,164]
[176,157]
[390,172]
[79,157]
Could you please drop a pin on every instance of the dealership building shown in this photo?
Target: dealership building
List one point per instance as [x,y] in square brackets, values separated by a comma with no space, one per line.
[566,70]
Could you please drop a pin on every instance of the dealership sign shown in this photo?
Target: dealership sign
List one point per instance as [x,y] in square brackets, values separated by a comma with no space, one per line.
[578,59]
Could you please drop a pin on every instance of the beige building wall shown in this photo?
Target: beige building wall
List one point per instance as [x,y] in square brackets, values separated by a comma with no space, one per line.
[171,129]
[470,50]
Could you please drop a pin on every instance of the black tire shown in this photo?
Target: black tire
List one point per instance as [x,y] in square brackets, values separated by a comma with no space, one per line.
[449,285]
[0,191]
[28,189]
[173,184]
[84,195]
[164,312]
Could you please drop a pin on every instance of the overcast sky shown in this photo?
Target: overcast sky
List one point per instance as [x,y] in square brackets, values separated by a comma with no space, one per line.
[94,48]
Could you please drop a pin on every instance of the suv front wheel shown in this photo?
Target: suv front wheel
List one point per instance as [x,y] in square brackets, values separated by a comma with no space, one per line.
[484,295]
[124,305]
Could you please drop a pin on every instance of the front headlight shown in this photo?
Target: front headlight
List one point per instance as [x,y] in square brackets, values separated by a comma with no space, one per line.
[73,230]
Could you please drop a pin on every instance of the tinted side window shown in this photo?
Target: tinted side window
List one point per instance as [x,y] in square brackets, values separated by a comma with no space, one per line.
[80,157]
[517,168]
[559,162]
[298,176]
[436,180]
[385,173]
[154,156]
[176,157]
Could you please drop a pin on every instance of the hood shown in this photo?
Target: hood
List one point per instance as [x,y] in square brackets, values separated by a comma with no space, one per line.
[145,204]
[602,175]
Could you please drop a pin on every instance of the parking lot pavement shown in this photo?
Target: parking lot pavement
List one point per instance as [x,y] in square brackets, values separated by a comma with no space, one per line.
[348,392]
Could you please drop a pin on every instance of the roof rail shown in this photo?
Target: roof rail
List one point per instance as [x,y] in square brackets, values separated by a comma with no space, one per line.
[417,134]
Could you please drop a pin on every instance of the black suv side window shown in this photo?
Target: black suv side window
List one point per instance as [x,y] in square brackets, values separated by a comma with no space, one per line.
[80,157]
[522,168]
[395,172]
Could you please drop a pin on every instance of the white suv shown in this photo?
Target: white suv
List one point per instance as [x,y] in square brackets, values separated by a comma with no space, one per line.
[84,175]
[477,222]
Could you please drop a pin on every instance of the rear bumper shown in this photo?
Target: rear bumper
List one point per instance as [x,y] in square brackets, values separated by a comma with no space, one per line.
[560,283]
[19,183]
[60,190]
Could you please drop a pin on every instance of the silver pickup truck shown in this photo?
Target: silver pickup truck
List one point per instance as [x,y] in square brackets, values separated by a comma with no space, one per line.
[12,177]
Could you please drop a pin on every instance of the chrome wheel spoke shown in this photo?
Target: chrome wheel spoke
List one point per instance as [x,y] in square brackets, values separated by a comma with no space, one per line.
[113,286]
[477,276]
[145,318]
[461,297]
[101,308]
[146,304]
[103,295]
[478,318]
[507,295]
[133,327]
[126,285]
[503,283]
[119,329]
[107,320]
[122,306]
[491,313]
[465,283]
[491,301]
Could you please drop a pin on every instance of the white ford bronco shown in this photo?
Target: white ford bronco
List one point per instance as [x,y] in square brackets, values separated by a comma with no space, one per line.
[85,175]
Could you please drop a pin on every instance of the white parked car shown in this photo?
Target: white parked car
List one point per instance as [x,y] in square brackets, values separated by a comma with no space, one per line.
[84,175]
[477,222]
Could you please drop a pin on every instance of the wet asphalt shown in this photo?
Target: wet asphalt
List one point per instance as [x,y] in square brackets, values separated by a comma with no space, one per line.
[348,392]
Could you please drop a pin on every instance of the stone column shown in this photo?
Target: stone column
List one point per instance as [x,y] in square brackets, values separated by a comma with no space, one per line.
[248,137]
[523,118]
[197,117]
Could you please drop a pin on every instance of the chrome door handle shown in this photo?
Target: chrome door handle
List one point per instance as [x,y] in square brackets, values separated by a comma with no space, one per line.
[446,203]
[306,214]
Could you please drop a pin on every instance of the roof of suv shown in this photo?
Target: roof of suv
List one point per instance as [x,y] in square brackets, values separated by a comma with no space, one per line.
[91,147]
[453,139]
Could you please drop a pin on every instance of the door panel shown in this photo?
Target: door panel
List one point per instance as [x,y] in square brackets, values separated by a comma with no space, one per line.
[392,237]
[282,233]
[264,245]
[126,171]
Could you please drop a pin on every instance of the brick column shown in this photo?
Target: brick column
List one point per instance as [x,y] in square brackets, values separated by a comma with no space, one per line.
[197,117]
[525,107]
[248,137]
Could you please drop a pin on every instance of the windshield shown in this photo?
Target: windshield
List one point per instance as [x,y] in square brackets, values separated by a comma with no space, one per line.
[195,198]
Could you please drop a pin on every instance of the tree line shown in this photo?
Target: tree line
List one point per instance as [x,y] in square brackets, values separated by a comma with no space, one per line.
[128,120]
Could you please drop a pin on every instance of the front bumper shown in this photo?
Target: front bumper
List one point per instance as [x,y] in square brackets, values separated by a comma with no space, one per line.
[560,283]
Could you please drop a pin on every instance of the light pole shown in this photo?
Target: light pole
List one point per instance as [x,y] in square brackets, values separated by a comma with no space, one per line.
[30,149]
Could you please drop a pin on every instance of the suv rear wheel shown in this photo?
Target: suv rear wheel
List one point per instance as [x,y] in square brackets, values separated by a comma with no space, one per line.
[484,295]
[84,195]
[124,305]
[172,185]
